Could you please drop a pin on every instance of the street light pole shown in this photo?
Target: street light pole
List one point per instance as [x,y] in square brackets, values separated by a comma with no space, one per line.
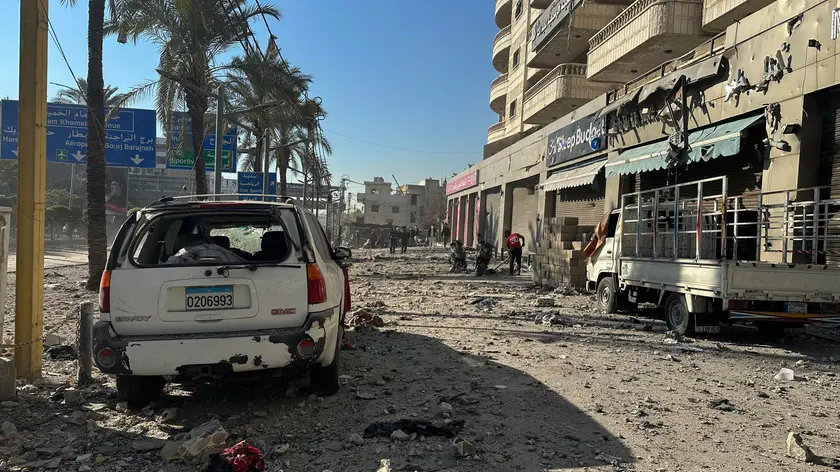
[266,160]
[220,140]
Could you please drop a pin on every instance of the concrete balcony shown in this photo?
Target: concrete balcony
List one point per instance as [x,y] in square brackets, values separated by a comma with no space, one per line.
[496,132]
[552,43]
[646,34]
[559,93]
[498,94]
[501,50]
[718,14]
[541,4]
[503,10]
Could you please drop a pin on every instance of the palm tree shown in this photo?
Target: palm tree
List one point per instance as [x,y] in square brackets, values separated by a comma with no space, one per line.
[255,80]
[191,34]
[78,95]
[95,169]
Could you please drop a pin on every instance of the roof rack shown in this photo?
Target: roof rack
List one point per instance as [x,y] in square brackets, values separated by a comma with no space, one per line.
[227,197]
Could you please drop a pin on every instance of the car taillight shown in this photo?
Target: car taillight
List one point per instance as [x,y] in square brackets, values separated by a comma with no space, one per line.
[316,286]
[105,292]
[307,348]
[106,357]
[346,288]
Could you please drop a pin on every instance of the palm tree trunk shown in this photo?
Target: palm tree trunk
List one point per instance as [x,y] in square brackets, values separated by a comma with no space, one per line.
[283,168]
[258,150]
[97,236]
[197,109]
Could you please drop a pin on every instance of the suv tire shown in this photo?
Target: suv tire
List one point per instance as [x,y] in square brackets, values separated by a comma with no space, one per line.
[677,317]
[139,391]
[324,381]
[606,296]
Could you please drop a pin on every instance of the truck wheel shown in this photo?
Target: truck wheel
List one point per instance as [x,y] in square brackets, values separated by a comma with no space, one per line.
[139,390]
[677,316]
[324,381]
[607,298]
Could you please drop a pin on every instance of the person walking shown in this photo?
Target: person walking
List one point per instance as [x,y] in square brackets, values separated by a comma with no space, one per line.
[405,236]
[393,239]
[444,232]
[430,236]
[514,243]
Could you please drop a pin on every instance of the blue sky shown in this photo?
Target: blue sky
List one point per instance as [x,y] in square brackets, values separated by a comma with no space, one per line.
[411,75]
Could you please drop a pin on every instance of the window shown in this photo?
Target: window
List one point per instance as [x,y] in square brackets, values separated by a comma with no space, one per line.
[512,109]
[518,9]
[414,199]
[515,61]
[319,238]
[374,208]
[374,191]
[395,209]
[612,224]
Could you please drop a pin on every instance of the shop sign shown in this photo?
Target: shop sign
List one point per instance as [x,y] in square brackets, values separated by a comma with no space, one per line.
[463,182]
[580,138]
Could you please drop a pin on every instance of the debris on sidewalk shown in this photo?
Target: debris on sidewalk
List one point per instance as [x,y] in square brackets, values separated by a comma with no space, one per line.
[785,375]
[384,429]
[463,448]
[238,458]
[363,317]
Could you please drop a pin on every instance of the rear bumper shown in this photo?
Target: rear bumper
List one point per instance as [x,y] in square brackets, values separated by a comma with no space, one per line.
[216,353]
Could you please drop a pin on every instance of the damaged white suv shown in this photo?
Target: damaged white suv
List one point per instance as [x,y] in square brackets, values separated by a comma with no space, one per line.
[206,290]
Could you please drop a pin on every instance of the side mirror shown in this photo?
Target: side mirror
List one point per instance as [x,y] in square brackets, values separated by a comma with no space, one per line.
[342,252]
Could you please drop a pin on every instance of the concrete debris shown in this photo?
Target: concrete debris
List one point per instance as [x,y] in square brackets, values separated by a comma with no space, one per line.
[550,320]
[73,397]
[84,458]
[384,429]
[384,465]
[545,301]
[485,302]
[736,86]
[566,290]
[77,418]
[785,375]
[9,404]
[463,448]
[281,449]
[363,317]
[149,444]
[169,450]
[400,435]
[51,340]
[122,407]
[8,428]
[722,404]
[446,409]
[208,438]
[356,439]
[365,395]
[168,415]
[797,449]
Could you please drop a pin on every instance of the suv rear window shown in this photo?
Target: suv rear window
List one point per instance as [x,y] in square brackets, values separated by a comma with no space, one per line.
[198,237]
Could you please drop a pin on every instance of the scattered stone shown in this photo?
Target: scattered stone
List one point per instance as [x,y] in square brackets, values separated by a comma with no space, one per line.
[77,418]
[797,449]
[84,458]
[9,404]
[500,387]
[671,358]
[8,428]
[73,397]
[722,404]
[384,465]
[356,439]
[291,391]
[800,363]
[365,395]
[363,317]
[446,409]
[149,444]
[463,448]
[784,375]
[168,415]
[206,439]
[122,407]
[545,301]
[51,340]
[400,435]
[169,450]
[281,449]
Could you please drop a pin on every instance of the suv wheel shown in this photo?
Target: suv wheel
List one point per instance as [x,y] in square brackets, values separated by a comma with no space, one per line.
[324,380]
[139,391]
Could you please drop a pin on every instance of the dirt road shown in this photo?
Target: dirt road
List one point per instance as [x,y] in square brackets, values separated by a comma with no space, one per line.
[56,254]
[576,390]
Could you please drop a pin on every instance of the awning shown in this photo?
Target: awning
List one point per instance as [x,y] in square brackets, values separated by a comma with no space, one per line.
[704,144]
[618,104]
[576,177]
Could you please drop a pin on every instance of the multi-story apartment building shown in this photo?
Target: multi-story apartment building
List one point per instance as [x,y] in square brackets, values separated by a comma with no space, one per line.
[383,207]
[426,200]
[603,98]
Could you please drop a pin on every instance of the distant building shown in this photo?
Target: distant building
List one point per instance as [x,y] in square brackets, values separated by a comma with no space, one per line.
[426,199]
[382,207]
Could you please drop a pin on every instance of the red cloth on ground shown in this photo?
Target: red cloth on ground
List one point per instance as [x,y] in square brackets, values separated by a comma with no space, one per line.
[244,458]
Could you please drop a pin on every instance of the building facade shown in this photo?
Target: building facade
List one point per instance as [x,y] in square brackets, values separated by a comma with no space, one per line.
[692,90]
[383,207]
[426,201]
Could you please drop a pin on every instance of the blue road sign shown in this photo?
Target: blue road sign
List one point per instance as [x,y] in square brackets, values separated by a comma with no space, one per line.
[183,156]
[129,138]
[252,183]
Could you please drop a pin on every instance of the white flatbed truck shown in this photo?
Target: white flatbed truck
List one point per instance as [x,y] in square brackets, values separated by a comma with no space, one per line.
[707,258]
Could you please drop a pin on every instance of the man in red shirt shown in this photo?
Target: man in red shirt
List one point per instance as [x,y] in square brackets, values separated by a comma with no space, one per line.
[514,243]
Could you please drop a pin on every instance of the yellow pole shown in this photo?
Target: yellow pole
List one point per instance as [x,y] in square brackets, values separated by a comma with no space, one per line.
[32,157]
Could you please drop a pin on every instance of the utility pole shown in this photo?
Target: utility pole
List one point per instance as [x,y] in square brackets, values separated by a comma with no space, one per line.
[266,160]
[32,158]
[220,140]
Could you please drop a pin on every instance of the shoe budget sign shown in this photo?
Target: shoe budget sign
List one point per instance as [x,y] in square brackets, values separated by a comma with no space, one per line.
[584,136]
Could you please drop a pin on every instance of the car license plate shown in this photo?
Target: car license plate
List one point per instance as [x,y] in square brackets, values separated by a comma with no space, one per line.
[204,298]
[799,308]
